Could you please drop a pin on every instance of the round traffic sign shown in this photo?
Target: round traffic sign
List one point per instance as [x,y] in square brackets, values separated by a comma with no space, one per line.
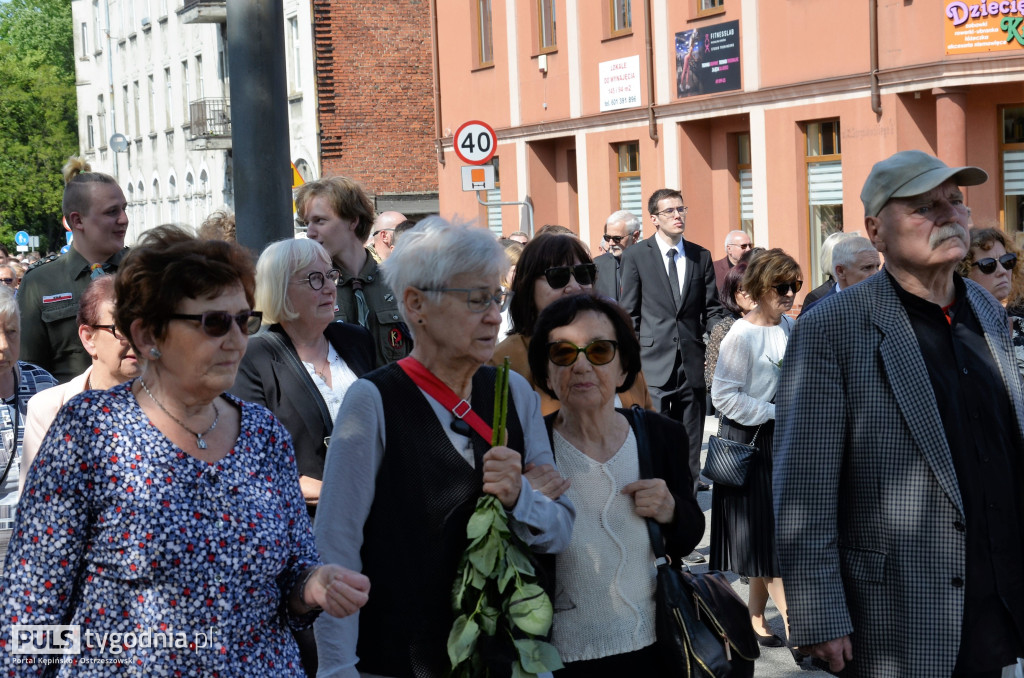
[21,238]
[475,142]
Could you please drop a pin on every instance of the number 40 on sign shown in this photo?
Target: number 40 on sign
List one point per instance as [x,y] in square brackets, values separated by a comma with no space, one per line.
[475,142]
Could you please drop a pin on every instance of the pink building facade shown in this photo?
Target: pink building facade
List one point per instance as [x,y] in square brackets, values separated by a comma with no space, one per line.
[767,116]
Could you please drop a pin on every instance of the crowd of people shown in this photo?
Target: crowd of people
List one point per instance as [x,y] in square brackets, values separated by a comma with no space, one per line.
[269,469]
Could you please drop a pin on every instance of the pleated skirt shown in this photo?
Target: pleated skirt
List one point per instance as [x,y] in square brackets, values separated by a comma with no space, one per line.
[742,519]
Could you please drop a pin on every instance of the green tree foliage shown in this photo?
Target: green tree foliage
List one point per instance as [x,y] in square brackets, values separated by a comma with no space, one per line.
[38,114]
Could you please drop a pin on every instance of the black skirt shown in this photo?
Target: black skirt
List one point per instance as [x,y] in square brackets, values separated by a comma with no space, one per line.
[742,519]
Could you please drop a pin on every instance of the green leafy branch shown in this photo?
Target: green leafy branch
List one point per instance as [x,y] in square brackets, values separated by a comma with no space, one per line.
[502,611]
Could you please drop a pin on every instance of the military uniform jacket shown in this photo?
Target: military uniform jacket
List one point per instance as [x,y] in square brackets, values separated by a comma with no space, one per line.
[391,339]
[868,511]
[48,298]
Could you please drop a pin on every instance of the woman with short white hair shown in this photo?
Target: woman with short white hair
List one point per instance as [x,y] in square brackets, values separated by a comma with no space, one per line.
[19,381]
[404,471]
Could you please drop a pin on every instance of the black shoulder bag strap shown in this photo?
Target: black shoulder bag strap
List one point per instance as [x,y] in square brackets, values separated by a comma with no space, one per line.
[643,450]
[292,360]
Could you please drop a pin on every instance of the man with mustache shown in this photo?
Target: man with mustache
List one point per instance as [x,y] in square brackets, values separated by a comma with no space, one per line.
[898,513]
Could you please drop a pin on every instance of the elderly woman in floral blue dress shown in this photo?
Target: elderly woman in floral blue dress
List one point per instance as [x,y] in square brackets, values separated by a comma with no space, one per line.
[163,517]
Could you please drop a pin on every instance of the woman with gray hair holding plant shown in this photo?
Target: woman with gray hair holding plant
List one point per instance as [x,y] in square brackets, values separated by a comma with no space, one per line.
[404,471]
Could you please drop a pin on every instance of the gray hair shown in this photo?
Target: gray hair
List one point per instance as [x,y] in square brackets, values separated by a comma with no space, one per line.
[730,234]
[435,251]
[846,250]
[274,270]
[8,305]
[825,255]
[633,222]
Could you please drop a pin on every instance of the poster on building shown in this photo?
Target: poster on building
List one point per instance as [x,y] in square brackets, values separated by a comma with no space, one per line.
[984,27]
[708,59]
[620,83]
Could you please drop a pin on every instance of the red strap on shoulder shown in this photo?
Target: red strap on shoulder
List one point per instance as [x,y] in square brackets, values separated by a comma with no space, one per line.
[443,394]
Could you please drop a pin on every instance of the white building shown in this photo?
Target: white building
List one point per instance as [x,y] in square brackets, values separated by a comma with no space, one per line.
[154,102]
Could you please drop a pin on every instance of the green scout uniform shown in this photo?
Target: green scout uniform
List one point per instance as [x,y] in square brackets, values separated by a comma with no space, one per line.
[391,337]
[48,299]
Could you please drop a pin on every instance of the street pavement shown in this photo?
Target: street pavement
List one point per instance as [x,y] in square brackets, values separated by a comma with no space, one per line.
[775,662]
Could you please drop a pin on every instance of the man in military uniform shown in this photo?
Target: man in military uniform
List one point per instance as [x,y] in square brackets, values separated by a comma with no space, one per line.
[339,215]
[94,208]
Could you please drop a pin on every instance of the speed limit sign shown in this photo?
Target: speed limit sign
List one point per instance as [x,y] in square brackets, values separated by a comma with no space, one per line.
[475,142]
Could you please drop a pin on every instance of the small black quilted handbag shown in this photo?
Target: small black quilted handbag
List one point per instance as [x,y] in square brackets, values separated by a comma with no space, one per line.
[728,461]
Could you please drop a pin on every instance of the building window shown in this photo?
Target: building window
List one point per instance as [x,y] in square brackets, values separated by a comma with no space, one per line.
[622,17]
[97,29]
[546,24]
[294,44]
[172,198]
[135,108]
[186,90]
[168,98]
[710,7]
[142,207]
[199,76]
[484,33]
[630,196]
[494,196]
[824,188]
[90,133]
[124,107]
[85,41]
[101,120]
[1012,149]
[152,103]
[746,184]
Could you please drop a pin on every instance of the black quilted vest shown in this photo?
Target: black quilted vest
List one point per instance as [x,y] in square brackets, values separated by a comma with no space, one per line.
[415,533]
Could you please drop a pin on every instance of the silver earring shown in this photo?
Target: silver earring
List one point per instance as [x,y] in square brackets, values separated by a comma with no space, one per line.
[155,354]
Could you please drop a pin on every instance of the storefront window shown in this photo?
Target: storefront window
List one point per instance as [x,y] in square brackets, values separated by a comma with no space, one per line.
[1012,149]
[630,196]
[824,188]
[746,177]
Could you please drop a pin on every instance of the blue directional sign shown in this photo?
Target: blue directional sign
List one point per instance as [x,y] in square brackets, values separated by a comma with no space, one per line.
[68,235]
[21,238]
[64,250]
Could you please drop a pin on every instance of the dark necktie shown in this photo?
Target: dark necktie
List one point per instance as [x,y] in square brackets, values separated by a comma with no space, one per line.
[362,310]
[673,275]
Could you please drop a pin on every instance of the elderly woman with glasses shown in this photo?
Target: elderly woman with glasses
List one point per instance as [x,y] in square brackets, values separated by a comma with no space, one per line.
[164,515]
[408,461]
[991,262]
[113,362]
[743,391]
[301,367]
[583,352]
[551,266]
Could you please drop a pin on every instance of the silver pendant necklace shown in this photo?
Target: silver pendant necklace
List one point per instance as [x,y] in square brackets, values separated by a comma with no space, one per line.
[200,443]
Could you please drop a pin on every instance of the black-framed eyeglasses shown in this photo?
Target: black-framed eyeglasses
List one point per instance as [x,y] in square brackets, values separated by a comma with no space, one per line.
[558,276]
[614,238]
[218,323]
[109,328]
[784,288]
[988,264]
[479,299]
[672,211]
[598,352]
[316,279]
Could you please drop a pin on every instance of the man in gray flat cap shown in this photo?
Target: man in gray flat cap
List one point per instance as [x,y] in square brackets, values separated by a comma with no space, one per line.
[898,512]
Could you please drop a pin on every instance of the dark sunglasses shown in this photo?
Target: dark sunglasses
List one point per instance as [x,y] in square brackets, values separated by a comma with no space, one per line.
[598,352]
[784,288]
[614,238]
[988,264]
[558,276]
[109,328]
[7,281]
[218,323]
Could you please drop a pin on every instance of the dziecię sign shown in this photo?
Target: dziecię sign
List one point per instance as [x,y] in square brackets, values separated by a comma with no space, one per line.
[984,26]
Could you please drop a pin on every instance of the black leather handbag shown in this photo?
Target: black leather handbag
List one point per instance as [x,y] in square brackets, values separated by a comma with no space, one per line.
[702,626]
[728,461]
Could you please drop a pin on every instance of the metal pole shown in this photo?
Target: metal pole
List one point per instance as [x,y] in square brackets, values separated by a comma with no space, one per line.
[259,122]
[524,203]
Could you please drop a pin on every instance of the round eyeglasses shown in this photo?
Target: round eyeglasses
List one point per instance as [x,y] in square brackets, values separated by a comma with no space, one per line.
[988,264]
[316,279]
[478,299]
[110,328]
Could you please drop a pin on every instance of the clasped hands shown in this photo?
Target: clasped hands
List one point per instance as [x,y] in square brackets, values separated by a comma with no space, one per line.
[651,496]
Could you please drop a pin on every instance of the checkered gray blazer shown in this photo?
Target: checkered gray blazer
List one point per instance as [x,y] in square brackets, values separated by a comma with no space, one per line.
[867,505]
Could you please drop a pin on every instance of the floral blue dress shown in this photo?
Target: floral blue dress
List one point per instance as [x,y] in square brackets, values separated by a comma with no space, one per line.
[169,565]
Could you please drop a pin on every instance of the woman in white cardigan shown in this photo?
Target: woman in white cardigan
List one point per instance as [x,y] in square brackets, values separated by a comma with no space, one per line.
[113,362]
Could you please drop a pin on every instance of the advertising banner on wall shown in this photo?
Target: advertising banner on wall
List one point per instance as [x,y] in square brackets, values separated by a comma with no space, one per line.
[708,59]
[620,83]
[984,27]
